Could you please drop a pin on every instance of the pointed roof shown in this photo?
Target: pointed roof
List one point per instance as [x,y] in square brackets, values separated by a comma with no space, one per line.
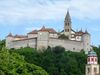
[80,33]
[33,32]
[43,29]
[92,53]
[10,35]
[50,30]
[86,32]
[68,18]
[81,30]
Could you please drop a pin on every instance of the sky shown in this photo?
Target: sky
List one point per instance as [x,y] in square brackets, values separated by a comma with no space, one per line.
[23,16]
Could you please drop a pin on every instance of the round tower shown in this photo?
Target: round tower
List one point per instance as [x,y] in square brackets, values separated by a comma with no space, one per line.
[92,67]
[9,39]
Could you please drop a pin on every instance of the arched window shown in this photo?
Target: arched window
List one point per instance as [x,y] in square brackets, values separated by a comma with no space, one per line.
[88,59]
[88,70]
[92,59]
[95,59]
[68,24]
[95,69]
[65,30]
[68,30]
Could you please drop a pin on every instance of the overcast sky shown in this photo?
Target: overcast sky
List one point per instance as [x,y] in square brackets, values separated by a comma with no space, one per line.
[22,16]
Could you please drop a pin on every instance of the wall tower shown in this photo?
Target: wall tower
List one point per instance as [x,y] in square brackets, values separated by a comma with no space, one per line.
[43,38]
[86,41]
[9,39]
[92,67]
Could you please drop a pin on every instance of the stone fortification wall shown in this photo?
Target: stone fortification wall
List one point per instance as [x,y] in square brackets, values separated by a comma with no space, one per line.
[23,43]
[67,44]
[32,43]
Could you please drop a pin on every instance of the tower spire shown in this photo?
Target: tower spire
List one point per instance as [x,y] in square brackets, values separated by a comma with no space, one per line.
[67,25]
[68,18]
[86,31]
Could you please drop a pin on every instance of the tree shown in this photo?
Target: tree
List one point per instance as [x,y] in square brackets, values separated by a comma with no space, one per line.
[56,61]
[14,64]
[2,44]
[58,49]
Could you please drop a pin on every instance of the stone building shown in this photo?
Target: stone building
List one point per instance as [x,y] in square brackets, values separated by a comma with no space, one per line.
[44,37]
[92,67]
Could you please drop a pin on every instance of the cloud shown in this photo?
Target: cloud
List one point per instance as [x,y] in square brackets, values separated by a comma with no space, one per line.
[32,28]
[14,11]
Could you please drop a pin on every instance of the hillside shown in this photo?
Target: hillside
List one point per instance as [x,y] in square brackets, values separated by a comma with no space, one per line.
[14,64]
[56,61]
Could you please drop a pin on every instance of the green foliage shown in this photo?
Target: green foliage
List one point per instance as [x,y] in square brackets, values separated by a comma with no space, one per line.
[58,49]
[14,64]
[97,50]
[2,44]
[56,61]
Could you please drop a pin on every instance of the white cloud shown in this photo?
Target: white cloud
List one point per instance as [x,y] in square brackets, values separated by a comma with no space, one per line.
[13,11]
[32,28]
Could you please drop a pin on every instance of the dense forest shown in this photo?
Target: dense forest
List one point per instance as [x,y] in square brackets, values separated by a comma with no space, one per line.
[51,61]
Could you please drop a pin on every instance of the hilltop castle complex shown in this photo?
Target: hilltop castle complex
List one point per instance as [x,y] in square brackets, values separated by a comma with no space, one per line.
[44,37]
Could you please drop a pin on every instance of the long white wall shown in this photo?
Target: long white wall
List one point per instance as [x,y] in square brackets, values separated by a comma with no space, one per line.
[23,43]
[67,44]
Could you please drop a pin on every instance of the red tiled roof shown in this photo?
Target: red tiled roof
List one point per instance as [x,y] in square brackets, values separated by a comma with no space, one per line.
[80,33]
[33,32]
[20,36]
[23,39]
[51,30]
[43,29]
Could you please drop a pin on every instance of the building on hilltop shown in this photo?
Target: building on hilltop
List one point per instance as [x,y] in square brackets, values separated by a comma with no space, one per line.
[92,67]
[75,41]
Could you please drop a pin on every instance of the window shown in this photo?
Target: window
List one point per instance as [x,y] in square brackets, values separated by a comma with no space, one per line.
[73,48]
[88,70]
[66,30]
[92,59]
[95,69]
[68,24]
[88,59]
[72,35]
[95,59]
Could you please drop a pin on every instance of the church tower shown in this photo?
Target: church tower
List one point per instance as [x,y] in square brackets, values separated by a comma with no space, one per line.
[92,67]
[67,25]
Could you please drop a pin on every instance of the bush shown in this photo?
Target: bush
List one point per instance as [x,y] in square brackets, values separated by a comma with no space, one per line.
[58,49]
